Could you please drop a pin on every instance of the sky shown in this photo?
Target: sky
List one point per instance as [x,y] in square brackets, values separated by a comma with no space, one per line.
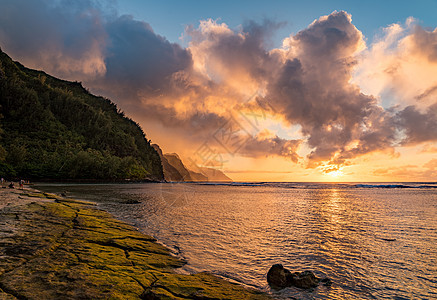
[262,90]
[169,18]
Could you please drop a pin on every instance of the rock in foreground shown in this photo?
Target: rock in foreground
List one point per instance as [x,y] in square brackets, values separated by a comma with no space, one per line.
[304,280]
[278,277]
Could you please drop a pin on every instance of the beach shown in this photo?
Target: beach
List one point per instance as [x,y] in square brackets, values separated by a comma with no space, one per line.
[52,247]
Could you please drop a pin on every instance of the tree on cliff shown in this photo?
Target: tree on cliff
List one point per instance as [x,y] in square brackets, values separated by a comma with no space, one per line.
[56,129]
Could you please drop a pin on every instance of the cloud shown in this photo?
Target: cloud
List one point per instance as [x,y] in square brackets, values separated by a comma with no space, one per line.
[432,164]
[67,40]
[424,42]
[266,144]
[312,88]
[323,79]
[430,92]
[418,127]
[235,60]
[429,148]
[137,58]
[307,83]
[400,66]
[83,40]
[426,172]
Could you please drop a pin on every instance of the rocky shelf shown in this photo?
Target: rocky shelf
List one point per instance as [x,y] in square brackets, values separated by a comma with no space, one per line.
[55,248]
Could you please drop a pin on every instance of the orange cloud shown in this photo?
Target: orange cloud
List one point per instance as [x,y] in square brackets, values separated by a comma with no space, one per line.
[430,148]
[426,172]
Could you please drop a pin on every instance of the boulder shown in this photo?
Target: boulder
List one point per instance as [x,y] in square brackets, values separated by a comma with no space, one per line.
[279,277]
[304,280]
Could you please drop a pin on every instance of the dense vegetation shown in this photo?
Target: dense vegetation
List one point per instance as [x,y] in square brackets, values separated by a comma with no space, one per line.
[55,129]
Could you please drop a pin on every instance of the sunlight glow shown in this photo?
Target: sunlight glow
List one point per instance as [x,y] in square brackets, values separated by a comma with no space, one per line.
[335,174]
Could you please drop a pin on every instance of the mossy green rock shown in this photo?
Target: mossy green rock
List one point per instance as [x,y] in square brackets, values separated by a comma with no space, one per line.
[71,250]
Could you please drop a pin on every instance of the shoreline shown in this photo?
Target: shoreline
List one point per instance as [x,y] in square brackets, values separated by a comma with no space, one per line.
[53,247]
[174,250]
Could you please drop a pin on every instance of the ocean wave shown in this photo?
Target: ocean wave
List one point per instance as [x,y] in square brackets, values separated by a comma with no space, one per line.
[313,185]
[395,186]
[232,183]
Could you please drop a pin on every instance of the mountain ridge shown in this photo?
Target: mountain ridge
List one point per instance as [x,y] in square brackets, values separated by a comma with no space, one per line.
[56,129]
[175,170]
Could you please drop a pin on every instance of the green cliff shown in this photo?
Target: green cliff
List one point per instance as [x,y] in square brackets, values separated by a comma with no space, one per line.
[56,129]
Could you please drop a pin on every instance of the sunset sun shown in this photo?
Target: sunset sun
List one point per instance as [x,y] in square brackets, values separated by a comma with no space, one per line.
[335,174]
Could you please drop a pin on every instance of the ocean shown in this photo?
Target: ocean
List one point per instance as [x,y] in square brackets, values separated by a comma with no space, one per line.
[373,240]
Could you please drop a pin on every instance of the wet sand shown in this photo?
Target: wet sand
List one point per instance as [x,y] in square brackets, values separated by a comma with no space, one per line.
[13,197]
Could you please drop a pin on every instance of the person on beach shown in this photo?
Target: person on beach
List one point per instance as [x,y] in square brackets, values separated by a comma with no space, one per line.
[21,184]
[11,185]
